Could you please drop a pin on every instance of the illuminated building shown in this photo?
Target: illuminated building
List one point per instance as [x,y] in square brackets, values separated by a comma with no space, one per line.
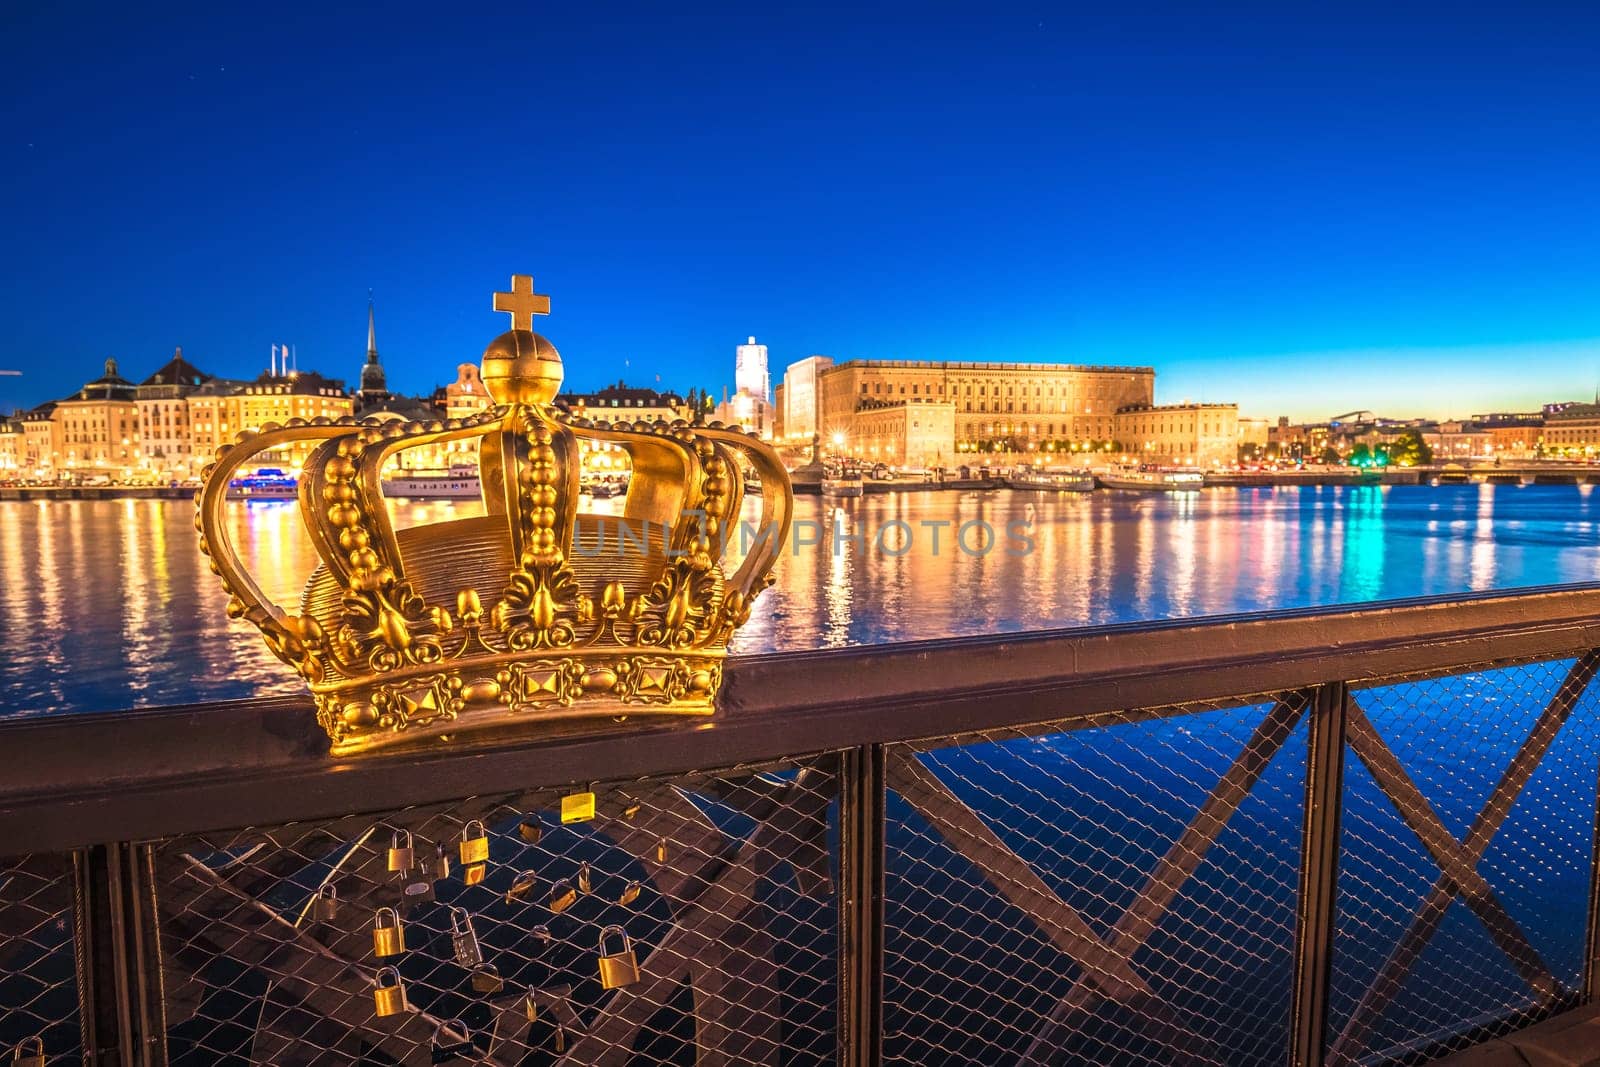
[750,406]
[164,429]
[99,427]
[622,401]
[40,441]
[1572,429]
[798,402]
[1194,435]
[903,435]
[997,405]
[750,370]
[12,441]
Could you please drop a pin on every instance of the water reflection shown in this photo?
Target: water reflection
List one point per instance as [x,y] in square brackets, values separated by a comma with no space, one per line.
[109,604]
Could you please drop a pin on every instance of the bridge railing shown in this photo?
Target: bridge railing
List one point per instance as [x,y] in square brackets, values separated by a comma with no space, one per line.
[1331,837]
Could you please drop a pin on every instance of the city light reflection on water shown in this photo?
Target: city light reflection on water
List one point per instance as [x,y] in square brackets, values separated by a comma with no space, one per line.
[108,604]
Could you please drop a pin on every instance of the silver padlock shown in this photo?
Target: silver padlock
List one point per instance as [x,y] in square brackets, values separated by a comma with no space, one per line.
[485,979]
[451,1039]
[418,886]
[463,940]
[326,907]
[585,881]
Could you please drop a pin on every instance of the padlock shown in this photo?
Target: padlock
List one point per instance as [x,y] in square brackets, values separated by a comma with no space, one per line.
[562,897]
[441,865]
[391,998]
[29,1054]
[561,1038]
[418,885]
[531,830]
[473,873]
[629,894]
[632,810]
[326,907]
[451,1038]
[661,851]
[474,843]
[485,979]
[577,807]
[585,883]
[388,937]
[463,939]
[619,968]
[522,887]
[401,857]
[530,1006]
[543,934]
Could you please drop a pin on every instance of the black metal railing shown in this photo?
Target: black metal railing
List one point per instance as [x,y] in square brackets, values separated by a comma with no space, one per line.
[1340,837]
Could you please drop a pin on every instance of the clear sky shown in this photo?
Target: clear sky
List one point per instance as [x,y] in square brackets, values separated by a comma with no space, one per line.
[1307,209]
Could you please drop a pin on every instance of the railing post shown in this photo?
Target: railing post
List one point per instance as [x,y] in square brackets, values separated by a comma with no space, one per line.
[118,957]
[1319,873]
[861,879]
[1591,941]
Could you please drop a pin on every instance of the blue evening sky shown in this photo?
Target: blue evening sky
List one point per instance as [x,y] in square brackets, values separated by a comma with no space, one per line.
[1304,208]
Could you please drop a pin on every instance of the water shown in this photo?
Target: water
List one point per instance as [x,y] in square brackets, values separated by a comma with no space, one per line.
[108,604]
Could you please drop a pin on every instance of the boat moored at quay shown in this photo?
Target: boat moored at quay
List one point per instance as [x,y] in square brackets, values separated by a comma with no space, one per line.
[1149,478]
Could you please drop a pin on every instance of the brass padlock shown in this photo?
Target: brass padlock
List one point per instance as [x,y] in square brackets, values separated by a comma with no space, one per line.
[531,830]
[522,887]
[474,843]
[562,896]
[401,857]
[585,883]
[441,865]
[661,851]
[451,1039]
[463,939]
[326,907]
[618,968]
[388,936]
[561,1037]
[29,1054]
[390,998]
[632,810]
[530,1006]
[629,894]
[473,873]
[485,979]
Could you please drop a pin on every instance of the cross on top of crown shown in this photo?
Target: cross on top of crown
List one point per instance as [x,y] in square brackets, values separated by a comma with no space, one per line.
[522,302]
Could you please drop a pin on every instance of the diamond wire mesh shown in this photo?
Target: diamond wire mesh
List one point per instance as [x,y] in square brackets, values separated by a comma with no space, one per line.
[1000,850]
[38,963]
[732,922]
[1416,971]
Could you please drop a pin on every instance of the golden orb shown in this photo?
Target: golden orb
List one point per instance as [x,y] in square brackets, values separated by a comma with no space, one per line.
[521,367]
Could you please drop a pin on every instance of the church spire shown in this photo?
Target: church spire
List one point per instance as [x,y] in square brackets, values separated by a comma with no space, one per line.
[374,383]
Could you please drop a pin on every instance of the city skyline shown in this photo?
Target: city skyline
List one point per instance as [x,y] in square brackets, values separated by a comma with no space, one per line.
[1304,212]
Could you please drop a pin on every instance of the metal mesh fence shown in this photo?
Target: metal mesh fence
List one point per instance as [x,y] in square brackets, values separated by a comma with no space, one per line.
[689,921]
[1467,837]
[1117,894]
[38,963]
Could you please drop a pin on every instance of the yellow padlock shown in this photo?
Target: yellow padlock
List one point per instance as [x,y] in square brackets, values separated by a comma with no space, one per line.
[632,810]
[562,897]
[629,895]
[326,907]
[577,807]
[474,843]
[29,1054]
[390,998]
[661,851]
[401,857]
[388,936]
[473,873]
[618,968]
[561,1037]
[485,979]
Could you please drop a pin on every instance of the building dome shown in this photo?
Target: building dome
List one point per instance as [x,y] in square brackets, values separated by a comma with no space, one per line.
[521,367]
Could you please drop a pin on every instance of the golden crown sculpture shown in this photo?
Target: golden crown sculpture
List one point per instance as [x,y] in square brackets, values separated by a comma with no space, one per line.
[434,631]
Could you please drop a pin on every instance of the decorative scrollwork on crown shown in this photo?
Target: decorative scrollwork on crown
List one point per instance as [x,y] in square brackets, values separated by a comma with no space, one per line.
[415,635]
